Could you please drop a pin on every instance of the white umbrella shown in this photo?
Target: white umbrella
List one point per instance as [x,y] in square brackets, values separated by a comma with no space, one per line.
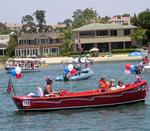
[94,49]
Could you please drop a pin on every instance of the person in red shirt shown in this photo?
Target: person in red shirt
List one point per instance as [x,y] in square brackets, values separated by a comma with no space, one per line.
[103,84]
[145,60]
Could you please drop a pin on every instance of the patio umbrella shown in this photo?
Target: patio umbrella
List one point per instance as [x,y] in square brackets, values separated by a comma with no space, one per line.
[94,49]
[136,53]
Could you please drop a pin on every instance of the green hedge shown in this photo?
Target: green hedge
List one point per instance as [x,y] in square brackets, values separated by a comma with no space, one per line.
[3,59]
[122,51]
[75,53]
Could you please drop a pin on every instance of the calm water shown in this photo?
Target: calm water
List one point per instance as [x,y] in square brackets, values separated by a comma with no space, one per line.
[133,117]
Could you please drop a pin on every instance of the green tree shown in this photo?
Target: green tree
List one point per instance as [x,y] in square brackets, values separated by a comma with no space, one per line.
[134,20]
[68,23]
[3,29]
[12,44]
[28,24]
[125,15]
[67,45]
[84,17]
[40,18]
[143,21]
[104,19]
[138,36]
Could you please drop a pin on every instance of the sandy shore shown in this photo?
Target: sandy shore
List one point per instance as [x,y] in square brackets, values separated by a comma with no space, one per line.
[54,60]
[58,60]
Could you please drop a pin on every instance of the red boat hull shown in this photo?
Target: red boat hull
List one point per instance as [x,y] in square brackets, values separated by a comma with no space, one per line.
[93,98]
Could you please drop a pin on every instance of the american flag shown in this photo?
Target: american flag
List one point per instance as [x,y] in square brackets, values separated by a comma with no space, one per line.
[10,87]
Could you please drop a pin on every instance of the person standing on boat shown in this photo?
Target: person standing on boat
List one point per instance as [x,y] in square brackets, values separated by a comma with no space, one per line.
[103,84]
[48,87]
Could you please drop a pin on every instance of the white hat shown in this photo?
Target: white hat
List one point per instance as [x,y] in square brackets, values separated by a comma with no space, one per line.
[112,80]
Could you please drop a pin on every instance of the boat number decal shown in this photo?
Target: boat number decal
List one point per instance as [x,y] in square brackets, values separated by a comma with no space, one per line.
[26,102]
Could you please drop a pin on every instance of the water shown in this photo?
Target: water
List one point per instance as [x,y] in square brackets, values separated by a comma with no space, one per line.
[131,117]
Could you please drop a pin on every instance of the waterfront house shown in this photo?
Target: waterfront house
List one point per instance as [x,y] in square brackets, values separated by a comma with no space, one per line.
[124,20]
[38,44]
[13,26]
[4,39]
[105,37]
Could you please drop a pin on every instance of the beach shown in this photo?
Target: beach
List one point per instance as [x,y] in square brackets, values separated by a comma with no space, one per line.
[122,57]
[58,60]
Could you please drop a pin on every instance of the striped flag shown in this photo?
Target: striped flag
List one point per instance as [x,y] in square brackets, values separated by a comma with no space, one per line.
[10,87]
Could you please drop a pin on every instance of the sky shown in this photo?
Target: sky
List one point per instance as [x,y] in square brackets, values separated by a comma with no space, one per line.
[12,11]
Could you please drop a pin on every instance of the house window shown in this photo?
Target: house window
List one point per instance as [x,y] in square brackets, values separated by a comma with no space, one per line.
[28,53]
[24,54]
[54,50]
[38,41]
[50,50]
[33,51]
[102,33]
[29,42]
[59,40]
[46,41]
[19,52]
[50,40]
[42,41]
[127,32]
[20,42]
[46,50]
[113,32]
[87,33]
[54,41]
[24,41]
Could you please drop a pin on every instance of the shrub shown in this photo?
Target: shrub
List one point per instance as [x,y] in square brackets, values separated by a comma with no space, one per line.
[122,51]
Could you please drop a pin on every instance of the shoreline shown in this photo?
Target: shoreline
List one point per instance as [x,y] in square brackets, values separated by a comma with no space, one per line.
[58,60]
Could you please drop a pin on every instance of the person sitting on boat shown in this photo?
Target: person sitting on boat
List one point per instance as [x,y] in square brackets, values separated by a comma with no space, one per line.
[32,65]
[66,77]
[145,60]
[138,79]
[120,85]
[112,85]
[104,85]
[40,91]
[48,88]
[139,69]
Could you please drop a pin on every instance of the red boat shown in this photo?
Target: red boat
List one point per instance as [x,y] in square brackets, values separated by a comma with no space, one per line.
[133,92]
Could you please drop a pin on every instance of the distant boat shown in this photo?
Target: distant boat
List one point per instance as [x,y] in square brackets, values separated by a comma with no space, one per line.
[83,75]
[27,65]
[82,68]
